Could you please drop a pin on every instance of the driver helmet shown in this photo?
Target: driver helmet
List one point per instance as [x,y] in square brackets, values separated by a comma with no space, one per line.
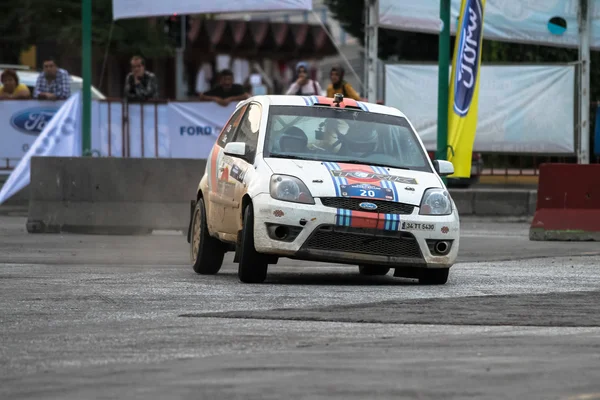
[360,141]
[330,134]
[293,140]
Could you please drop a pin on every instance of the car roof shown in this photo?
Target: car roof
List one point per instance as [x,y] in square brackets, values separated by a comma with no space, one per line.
[307,101]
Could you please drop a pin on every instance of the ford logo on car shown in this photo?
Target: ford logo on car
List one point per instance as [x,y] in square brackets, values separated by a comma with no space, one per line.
[368,206]
[32,120]
[469,51]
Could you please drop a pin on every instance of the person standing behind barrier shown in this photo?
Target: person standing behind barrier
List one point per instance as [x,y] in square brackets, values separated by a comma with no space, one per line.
[304,86]
[226,91]
[140,84]
[339,85]
[11,88]
[54,83]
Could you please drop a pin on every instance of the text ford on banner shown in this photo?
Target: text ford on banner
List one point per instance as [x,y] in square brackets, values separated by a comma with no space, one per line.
[22,121]
[464,88]
[194,130]
[60,137]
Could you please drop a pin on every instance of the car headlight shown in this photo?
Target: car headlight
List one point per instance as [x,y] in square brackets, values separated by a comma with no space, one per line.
[436,202]
[289,188]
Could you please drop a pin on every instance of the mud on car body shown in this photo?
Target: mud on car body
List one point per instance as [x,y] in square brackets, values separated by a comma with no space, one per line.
[322,179]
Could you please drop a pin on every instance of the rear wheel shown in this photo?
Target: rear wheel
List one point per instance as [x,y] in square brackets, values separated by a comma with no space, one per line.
[438,276]
[206,252]
[253,266]
[370,270]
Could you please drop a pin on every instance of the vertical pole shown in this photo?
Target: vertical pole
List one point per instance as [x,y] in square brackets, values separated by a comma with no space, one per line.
[371,48]
[180,88]
[443,78]
[583,155]
[86,68]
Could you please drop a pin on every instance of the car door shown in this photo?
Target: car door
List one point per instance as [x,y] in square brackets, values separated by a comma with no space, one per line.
[219,188]
[236,168]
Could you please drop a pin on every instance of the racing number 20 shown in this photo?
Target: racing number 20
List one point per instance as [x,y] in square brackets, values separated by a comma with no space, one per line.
[367,193]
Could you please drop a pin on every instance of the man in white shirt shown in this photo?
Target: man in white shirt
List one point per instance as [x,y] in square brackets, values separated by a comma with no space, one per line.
[304,86]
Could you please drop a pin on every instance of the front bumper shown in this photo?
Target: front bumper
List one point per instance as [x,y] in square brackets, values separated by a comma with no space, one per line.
[328,234]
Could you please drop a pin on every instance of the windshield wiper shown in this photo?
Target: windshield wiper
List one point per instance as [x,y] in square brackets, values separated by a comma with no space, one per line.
[291,157]
[373,164]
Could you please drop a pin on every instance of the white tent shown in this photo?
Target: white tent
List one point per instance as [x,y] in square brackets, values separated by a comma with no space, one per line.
[152,8]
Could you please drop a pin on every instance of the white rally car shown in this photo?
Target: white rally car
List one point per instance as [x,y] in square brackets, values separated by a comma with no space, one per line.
[322,179]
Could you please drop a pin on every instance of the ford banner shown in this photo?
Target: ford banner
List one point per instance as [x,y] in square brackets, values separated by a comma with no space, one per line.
[22,122]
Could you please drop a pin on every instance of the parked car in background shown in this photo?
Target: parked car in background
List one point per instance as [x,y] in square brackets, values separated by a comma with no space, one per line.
[476,171]
[29,77]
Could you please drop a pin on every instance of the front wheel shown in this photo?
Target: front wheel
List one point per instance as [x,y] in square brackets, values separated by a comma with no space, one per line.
[370,270]
[437,276]
[253,266]
[206,252]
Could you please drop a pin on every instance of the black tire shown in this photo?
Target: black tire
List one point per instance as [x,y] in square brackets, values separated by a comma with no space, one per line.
[206,252]
[370,270]
[253,266]
[438,276]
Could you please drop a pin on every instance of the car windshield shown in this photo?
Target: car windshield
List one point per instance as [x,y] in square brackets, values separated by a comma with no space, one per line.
[343,135]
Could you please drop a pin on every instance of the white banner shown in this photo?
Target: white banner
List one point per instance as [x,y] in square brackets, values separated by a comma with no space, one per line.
[194,127]
[22,121]
[148,127]
[523,21]
[152,8]
[61,137]
[522,109]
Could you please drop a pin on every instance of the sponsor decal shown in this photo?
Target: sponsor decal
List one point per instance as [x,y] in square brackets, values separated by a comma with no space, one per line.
[349,180]
[445,230]
[198,130]
[371,177]
[368,206]
[469,50]
[414,226]
[225,174]
[32,121]
[366,190]
[237,173]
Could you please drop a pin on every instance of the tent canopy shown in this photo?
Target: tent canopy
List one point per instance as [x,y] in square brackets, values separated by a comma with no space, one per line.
[518,21]
[154,8]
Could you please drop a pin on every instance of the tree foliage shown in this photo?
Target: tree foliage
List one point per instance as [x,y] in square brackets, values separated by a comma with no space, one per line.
[27,22]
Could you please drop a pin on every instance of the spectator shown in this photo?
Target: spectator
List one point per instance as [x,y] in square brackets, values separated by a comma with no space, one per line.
[226,91]
[54,83]
[339,85]
[304,86]
[140,85]
[11,88]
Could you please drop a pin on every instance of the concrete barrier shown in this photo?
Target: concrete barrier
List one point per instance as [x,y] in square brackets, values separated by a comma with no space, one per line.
[111,195]
[134,195]
[568,205]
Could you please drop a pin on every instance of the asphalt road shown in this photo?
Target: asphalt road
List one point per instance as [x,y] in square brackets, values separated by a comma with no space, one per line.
[125,317]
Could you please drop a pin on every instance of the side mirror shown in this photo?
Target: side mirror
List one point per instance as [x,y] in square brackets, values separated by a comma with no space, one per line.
[235,149]
[443,168]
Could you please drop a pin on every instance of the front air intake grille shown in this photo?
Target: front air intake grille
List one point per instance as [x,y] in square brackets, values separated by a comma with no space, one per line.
[364,241]
[383,207]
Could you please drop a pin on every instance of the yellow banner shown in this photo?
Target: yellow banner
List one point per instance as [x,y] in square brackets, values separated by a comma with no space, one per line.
[464,87]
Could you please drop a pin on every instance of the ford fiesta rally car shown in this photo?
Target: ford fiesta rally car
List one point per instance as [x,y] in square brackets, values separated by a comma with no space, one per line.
[322,179]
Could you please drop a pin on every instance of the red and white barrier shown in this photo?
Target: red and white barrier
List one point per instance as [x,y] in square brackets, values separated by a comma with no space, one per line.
[568,203]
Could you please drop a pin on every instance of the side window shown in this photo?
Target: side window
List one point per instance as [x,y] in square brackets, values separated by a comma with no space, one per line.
[249,129]
[228,131]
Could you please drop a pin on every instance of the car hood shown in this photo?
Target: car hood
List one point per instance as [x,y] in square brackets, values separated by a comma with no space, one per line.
[327,179]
